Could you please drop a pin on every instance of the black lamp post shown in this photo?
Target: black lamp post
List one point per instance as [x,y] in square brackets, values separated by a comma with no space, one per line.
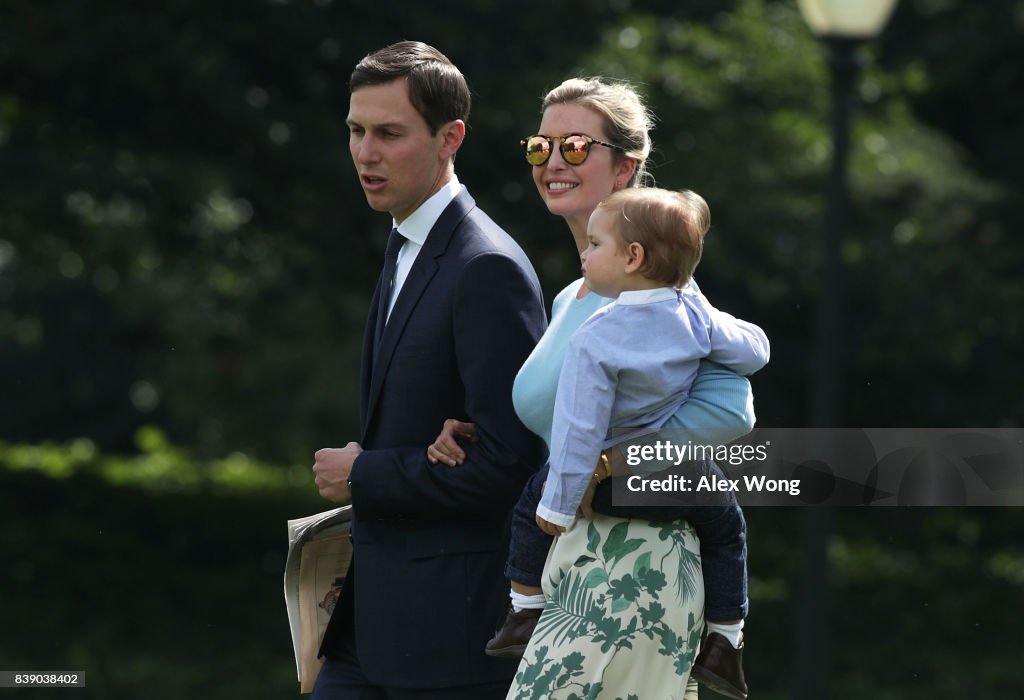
[842,25]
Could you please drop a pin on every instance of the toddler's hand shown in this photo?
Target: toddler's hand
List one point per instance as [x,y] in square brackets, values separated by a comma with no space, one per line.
[549,528]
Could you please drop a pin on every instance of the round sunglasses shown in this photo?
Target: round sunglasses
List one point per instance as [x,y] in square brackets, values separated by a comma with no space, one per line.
[574,148]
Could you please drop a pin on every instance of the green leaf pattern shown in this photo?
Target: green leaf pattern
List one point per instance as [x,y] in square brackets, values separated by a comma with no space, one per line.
[624,615]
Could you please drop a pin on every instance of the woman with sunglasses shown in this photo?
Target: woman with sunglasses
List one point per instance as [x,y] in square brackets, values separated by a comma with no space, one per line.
[625,593]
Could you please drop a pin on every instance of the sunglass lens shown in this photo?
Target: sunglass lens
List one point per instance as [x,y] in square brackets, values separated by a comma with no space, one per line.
[538,149]
[574,149]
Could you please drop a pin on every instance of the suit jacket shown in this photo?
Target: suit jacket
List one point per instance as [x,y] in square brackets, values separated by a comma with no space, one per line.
[426,589]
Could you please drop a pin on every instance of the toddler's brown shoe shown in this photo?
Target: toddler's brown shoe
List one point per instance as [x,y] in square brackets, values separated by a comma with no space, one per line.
[719,666]
[510,641]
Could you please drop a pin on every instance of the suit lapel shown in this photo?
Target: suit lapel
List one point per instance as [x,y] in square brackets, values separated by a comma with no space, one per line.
[420,275]
[366,364]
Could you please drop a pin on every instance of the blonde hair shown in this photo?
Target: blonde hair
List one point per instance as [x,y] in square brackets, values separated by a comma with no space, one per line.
[669,225]
[627,119]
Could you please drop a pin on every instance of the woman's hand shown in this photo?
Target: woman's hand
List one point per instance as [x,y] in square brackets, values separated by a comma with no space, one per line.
[616,464]
[446,447]
[586,509]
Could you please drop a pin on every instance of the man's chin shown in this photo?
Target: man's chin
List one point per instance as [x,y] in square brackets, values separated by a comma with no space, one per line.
[377,203]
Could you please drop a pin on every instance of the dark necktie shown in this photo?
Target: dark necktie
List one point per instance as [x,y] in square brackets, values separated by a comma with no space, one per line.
[387,278]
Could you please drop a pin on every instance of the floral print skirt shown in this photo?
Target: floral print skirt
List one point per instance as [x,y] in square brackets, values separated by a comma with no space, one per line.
[624,614]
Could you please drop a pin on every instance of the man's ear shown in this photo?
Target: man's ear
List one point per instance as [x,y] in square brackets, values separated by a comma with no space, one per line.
[636,256]
[453,133]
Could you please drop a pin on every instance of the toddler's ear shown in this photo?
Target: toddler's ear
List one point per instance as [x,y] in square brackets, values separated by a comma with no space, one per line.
[635,257]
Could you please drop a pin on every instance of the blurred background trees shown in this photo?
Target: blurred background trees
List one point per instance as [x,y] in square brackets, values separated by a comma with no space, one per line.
[184,247]
[183,243]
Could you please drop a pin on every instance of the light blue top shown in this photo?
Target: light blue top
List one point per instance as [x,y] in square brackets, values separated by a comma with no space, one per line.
[628,368]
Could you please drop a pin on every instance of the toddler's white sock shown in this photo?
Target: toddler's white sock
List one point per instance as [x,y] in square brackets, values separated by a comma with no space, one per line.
[731,632]
[526,602]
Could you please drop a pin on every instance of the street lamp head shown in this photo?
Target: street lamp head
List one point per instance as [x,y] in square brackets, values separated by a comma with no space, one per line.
[846,19]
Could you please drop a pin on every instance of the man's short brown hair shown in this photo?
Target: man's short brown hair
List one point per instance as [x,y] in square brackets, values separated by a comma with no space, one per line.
[437,89]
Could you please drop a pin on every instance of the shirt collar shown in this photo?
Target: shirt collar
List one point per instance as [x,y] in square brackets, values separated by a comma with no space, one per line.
[647,296]
[418,224]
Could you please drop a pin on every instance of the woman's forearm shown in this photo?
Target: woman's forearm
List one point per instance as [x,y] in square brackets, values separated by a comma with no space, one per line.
[720,405]
[720,408]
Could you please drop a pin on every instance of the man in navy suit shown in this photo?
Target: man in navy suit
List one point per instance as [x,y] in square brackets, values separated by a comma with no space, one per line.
[453,317]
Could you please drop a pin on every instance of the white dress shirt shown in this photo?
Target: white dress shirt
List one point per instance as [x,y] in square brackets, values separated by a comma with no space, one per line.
[415,229]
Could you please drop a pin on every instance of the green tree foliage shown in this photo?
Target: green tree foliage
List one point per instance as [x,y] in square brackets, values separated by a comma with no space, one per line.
[183,245]
[182,242]
[181,237]
[744,107]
